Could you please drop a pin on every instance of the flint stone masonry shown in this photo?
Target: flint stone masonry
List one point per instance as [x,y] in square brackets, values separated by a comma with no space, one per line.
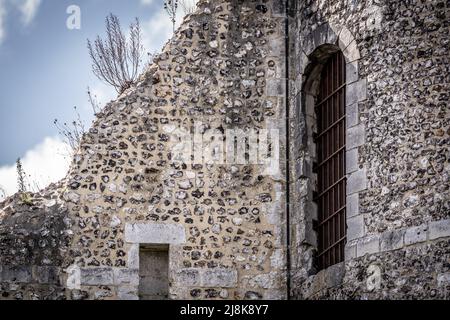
[155,233]
[224,227]
[394,196]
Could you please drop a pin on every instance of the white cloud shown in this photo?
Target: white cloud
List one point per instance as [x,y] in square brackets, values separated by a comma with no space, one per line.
[103,93]
[157,30]
[28,9]
[2,20]
[45,163]
[146,2]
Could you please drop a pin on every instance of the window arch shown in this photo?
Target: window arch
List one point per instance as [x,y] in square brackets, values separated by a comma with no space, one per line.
[330,167]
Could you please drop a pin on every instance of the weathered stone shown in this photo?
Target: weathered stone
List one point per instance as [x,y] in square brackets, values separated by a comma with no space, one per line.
[276,87]
[155,233]
[352,72]
[21,274]
[47,275]
[187,277]
[353,205]
[356,182]
[352,115]
[416,234]
[133,256]
[265,281]
[355,227]
[352,160]
[392,240]
[351,53]
[439,229]
[356,137]
[345,38]
[335,275]
[443,279]
[97,276]
[350,251]
[356,92]
[126,277]
[368,245]
[225,278]
[127,293]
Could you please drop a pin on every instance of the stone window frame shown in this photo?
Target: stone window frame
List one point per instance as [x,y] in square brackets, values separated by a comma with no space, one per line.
[313,50]
[174,237]
[150,234]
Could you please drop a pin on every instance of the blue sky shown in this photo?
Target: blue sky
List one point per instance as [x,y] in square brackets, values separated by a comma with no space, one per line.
[45,69]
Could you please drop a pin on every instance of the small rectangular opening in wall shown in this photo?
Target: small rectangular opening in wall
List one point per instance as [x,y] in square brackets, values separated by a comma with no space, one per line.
[153,272]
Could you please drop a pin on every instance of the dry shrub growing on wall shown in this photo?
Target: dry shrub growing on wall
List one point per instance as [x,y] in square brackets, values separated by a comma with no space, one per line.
[73,132]
[117,60]
[93,101]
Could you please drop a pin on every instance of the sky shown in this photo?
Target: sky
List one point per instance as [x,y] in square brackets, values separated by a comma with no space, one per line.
[45,70]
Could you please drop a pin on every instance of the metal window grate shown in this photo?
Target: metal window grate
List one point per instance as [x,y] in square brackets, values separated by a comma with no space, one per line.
[331,171]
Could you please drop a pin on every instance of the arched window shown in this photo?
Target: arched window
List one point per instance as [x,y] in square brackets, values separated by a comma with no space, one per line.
[330,165]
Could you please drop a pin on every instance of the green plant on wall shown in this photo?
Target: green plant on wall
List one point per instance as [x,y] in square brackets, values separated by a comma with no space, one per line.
[26,198]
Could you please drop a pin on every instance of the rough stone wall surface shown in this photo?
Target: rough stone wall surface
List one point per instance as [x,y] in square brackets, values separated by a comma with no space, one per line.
[35,236]
[224,223]
[398,162]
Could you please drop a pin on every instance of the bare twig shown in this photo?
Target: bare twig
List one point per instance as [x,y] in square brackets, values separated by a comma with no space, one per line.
[21,183]
[2,193]
[93,101]
[34,185]
[171,7]
[71,133]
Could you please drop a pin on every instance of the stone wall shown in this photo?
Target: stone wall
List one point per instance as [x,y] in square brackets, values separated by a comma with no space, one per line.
[35,236]
[224,223]
[398,198]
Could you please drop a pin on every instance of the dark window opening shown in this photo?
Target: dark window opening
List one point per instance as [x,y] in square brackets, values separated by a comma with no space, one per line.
[330,167]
